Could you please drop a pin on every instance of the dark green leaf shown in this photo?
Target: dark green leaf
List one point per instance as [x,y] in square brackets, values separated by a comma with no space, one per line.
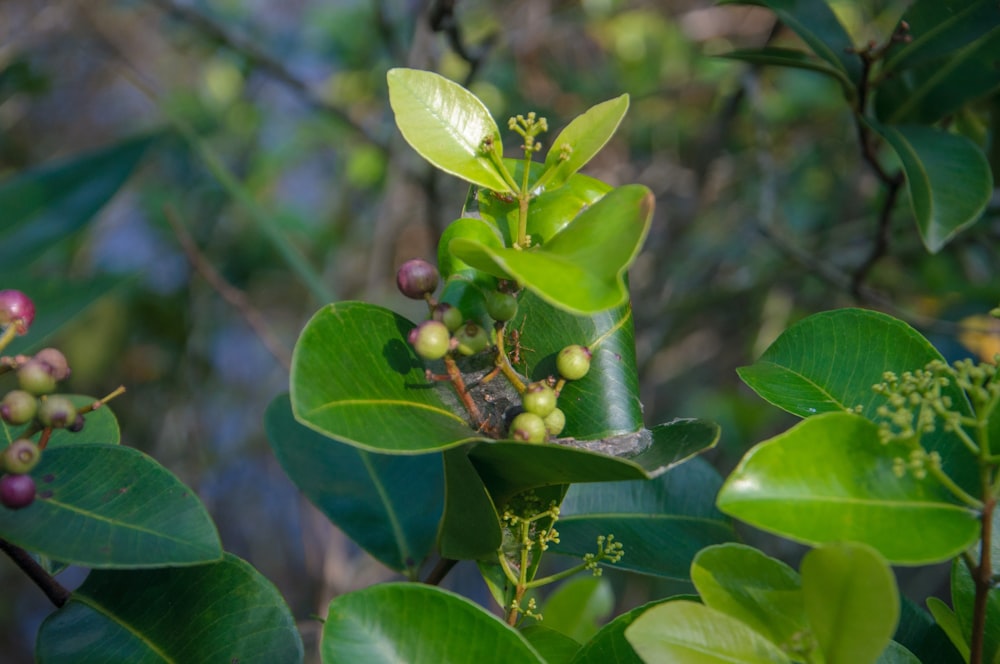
[918,632]
[963,596]
[609,644]
[897,654]
[940,28]
[470,527]
[830,478]
[399,622]
[578,607]
[582,139]
[786,57]
[112,507]
[947,176]
[389,505]
[221,612]
[554,647]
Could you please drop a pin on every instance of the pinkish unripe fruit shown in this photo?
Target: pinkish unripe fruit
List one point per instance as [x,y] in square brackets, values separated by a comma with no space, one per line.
[17,491]
[16,308]
[56,362]
[18,407]
[417,278]
[56,412]
[431,339]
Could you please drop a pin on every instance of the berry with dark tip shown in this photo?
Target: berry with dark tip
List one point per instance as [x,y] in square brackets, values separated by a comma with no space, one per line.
[417,278]
[501,306]
[21,456]
[539,398]
[16,308]
[17,491]
[56,412]
[77,425]
[448,314]
[431,339]
[56,362]
[471,339]
[18,407]
[35,378]
[573,362]
[528,428]
[555,422]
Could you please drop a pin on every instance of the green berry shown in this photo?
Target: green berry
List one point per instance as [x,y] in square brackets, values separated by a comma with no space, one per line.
[573,362]
[501,306]
[417,278]
[56,412]
[56,361]
[555,422]
[471,339]
[450,315]
[21,456]
[18,407]
[430,339]
[35,378]
[528,428]
[539,398]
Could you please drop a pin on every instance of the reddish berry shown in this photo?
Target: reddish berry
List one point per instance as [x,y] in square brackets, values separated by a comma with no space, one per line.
[17,491]
[431,339]
[18,407]
[21,456]
[16,308]
[56,362]
[35,378]
[417,278]
[56,412]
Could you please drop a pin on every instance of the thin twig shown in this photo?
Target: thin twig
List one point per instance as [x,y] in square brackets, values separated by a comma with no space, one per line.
[54,590]
[229,293]
[441,569]
[983,581]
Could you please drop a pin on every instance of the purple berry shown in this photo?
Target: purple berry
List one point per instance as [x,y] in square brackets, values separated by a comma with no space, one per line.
[16,308]
[417,278]
[18,407]
[17,491]
[77,425]
[56,362]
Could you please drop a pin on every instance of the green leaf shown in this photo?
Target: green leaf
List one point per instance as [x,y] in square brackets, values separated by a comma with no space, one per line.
[963,597]
[554,647]
[692,633]
[763,593]
[356,379]
[470,527]
[578,607]
[949,623]
[947,176]
[830,478]
[786,57]
[46,205]
[399,622]
[389,505]
[830,361]
[100,426]
[221,612]
[582,139]
[896,653]
[609,644]
[918,632]
[111,507]
[940,28]
[447,125]
[663,523]
[582,268]
[851,600]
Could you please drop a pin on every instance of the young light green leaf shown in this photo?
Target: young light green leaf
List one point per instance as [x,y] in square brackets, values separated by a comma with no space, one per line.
[221,612]
[578,607]
[851,601]
[684,631]
[947,176]
[448,126]
[948,622]
[582,139]
[404,622]
[830,478]
[918,632]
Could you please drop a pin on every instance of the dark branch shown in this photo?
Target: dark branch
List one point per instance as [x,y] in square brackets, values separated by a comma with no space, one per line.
[54,590]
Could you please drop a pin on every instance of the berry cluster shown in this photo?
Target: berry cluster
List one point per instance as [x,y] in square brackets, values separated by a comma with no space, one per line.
[447,331]
[33,404]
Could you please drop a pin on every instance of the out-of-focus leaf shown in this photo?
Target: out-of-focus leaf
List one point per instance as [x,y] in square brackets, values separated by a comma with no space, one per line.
[554,647]
[948,622]
[577,607]
[918,632]
[940,28]
[787,57]
[609,644]
[963,596]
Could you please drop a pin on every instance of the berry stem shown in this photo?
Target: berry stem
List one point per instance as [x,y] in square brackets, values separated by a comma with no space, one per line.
[503,362]
[8,335]
[56,593]
[44,440]
[463,394]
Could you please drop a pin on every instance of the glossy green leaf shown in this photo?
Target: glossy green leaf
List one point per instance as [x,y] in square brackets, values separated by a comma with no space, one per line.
[553,647]
[399,622]
[692,633]
[220,612]
[663,523]
[851,601]
[949,623]
[470,527]
[787,57]
[830,361]
[829,478]
[43,206]
[109,506]
[582,268]
[763,593]
[100,426]
[610,644]
[896,653]
[918,632]
[578,607]
[471,228]
[582,139]
[356,379]
[940,28]
[963,596]
[447,125]
[947,176]
[389,505]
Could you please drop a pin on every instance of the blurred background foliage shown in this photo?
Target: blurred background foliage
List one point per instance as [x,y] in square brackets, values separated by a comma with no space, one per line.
[273,179]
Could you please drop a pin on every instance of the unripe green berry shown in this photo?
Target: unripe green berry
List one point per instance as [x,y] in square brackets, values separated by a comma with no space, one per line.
[555,422]
[21,456]
[471,339]
[528,428]
[417,278]
[501,306]
[573,362]
[53,357]
[35,378]
[539,398]
[430,339]
[18,407]
[17,491]
[450,315]
[56,412]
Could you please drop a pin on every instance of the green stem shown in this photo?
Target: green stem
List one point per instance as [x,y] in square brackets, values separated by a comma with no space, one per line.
[8,335]
[505,366]
[559,576]
[956,490]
